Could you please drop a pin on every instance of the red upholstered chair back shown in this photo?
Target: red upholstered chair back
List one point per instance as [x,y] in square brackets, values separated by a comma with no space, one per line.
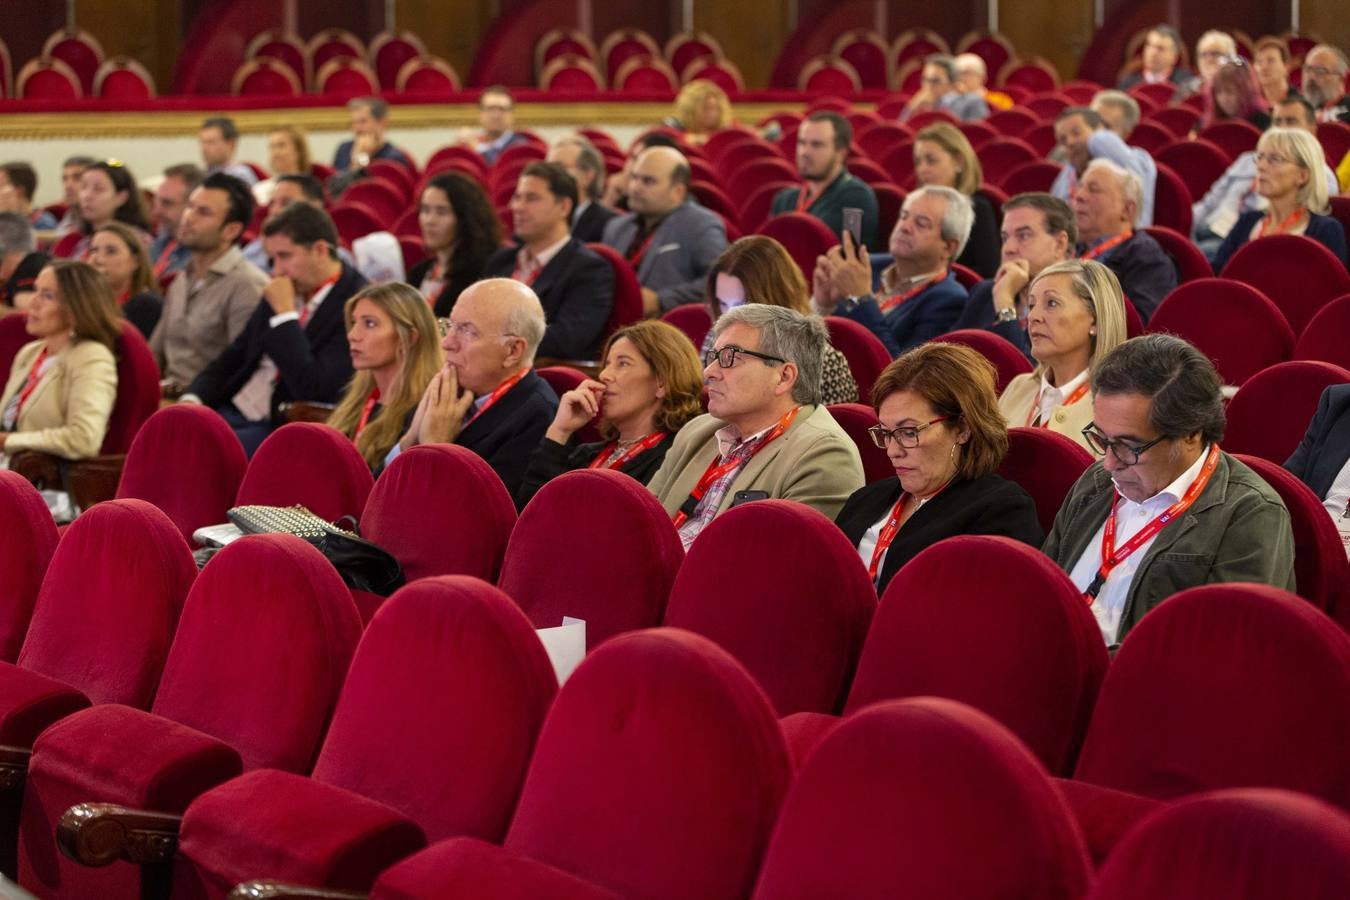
[627,289]
[187,462]
[797,609]
[1002,155]
[13,335]
[1007,360]
[691,318]
[262,647]
[620,589]
[1225,685]
[855,419]
[354,220]
[804,237]
[1172,201]
[1324,337]
[1296,272]
[30,539]
[1013,122]
[1046,464]
[309,464]
[108,608]
[441,510]
[1234,137]
[1190,263]
[1010,636]
[758,205]
[137,390]
[902,797]
[1270,413]
[440,711]
[1032,176]
[658,773]
[1249,336]
[866,355]
[1243,844]
[1198,162]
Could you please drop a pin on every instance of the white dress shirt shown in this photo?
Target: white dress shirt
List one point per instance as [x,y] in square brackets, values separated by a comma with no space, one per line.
[1337,503]
[254,399]
[1053,397]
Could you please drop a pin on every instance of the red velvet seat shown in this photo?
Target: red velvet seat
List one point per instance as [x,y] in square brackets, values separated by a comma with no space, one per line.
[620,590]
[284,47]
[627,289]
[904,797]
[310,464]
[78,49]
[1179,120]
[459,153]
[645,75]
[798,630]
[1234,137]
[1151,136]
[1190,263]
[44,78]
[264,77]
[389,51]
[804,237]
[137,390]
[1335,140]
[720,71]
[866,355]
[1198,162]
[1269,414]
[1298,273]
[1324,337]
[1032,176]
[384,199]
[691,318]
[719,142]
[13,335]
[1046,464]
[830,75]
[1242,844]
[430,739]
[1013,122]
[687,47]
[261,650]
[1225,685]
[855,419]
[878,138]
[570,72]
[30,539]
[869,171]
[393,175]
[867,53]
[344,77]
[712,197]
[1002,155]
[1007,360]
[750,172]
[1234,324]
[734,156]
[426,73]
[123,79]
[624,44]
[355,220]
[1033,73]
[1172,201]
[658,774]
[330,44]
[899,163]
[757,208]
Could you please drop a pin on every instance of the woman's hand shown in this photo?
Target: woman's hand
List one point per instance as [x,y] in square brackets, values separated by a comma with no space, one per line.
[576,408]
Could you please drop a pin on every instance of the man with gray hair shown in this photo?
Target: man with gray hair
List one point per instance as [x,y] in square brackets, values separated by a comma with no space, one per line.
[369,117]
[921,297]
[583,162]
[972,77]
[1165,509]
[1082,136]
[1118,110]
[938,90]
[488,398]
[1324,83]
[766,434]
[19,262]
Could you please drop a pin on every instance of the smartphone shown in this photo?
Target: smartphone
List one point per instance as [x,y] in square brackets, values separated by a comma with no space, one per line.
[748,497]
[853,225]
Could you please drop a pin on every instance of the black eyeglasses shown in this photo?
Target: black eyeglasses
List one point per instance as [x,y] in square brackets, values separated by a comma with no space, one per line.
[1126,454]
[726,356]
[906,436]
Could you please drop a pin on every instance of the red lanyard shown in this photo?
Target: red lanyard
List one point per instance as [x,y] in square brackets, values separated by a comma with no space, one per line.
[603,461]
[365,413]
[890,530]
[125,296]
[891,303]
[34,376]
[715,471]
[1073,398]
[163,262]
[1111,557]
[496,395]
[1284,226]
[517,274]
[635,259]
[805,198]
[1108,244]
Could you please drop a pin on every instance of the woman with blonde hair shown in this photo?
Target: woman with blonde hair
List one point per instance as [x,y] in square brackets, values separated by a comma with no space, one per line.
[701,108]
[943,157]
[1075,316]
[649,388]
[395,349]
[1289,167]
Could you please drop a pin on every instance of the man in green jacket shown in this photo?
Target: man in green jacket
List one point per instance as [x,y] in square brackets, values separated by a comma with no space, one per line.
[822,153]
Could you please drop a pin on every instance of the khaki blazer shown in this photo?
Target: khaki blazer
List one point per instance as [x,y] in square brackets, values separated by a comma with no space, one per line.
[1020,396]
[67,413]
[813,462]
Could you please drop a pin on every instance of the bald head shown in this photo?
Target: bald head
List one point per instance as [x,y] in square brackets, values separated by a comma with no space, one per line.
[495,329]
[658,182]
[971,73]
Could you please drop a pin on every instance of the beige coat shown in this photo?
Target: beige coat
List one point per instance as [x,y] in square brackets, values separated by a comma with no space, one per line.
[67,413]
[1020,396]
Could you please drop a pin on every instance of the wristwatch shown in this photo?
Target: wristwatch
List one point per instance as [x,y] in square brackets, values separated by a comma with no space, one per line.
[362,159]
[1006,314]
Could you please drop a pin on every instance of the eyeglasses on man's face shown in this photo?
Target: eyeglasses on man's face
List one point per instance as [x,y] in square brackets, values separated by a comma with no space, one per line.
[726,356]
[906,436]
[1125,453]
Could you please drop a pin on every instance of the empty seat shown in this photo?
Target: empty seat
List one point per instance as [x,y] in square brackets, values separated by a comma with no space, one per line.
[1232,323]
[1234,137]
[1172,201]
[25,552]
[866,355]
[856,419]
[804,237]
[691,318]
[1008,361]
[389,51]
[1046,464]
[1191,264]
[1296,272]
[310,464]
[122,78]
[1270,413]
[263,77]
[642,74]
[78,49]
[1198,162]
[1324,337]
[44,78]
[830,75]
[426,73]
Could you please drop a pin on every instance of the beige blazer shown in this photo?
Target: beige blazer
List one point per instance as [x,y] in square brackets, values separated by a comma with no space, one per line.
[67,413]
[1020,396]
[813,462]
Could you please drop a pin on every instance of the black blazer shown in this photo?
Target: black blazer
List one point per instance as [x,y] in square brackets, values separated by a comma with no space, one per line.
[984,505]
[1145,271]
[984,249]
[552,459]
[506,435]
[576,289]
[143,311]
[1322,453]
[460,278]
[315,363]
[590,225]
[979,313]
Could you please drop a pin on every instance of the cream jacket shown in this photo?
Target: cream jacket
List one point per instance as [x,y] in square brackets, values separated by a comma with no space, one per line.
[1020,396]
[67,413]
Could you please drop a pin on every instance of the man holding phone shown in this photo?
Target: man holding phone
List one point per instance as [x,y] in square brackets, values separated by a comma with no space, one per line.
[828,190]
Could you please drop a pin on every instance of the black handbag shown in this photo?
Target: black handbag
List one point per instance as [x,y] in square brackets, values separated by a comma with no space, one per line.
[362,565]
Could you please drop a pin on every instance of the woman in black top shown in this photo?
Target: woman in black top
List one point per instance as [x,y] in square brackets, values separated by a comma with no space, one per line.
[460,231]
[943,157]
[117,252]
[648,389]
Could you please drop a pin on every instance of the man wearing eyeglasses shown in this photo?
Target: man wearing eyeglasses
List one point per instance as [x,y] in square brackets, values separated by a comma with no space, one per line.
[1324,83]
[938,90]
[496,115]
[1165,509]
[766,434]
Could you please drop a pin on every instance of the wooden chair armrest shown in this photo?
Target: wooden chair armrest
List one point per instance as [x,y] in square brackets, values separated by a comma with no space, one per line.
[276,890]
[305,411]
[89,481]
[99,834]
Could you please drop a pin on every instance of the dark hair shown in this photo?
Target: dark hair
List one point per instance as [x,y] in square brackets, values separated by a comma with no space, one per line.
[131,211]
[500,90]
[1269,41]
[478,233]
[88,298]
[22,176]
[654,139]
[240,195]
[80,160]
[1058,216]
[189,173]
[228,130]
[1179,380]
[1090,116]
[308,185]
[843,129]
[560,183]
[305,225]
[1172,35]
[588,159]
[1293,97]
[379,110]
[944,61]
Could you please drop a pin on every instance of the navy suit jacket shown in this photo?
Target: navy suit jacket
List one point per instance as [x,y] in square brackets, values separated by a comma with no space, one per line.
[576,289]
[507,433]
[1322,453]
[931,312]
[589,227]
[1146,273]
[1324,229]
[343,157]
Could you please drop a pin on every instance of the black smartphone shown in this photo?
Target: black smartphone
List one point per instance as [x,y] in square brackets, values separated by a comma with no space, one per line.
[853,225]
[748,497]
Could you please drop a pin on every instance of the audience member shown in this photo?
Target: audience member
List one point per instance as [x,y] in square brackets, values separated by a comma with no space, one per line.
[459,231]
[18,184]
[583,162]
[1106,208]
[943,157]
[616,188]
[647,391]
[972,77]
[1161,60]
[938,90]
[167,254]
[496,115]
[1270,60]
[294,345]
[574,284]
[20,262]
[766,434]
[71,170]
[62,385]
[1322,458]
[108,193]
[370,116]
[1038,231]
[922,298]
[488,398]
[1075,316]
[219,137]
[669,240]
[1324,83]
[1165,509]
[939,424]
[209,302]
[701,108]
[287,154]
[1118,111]
[1211,51]
[1289,177]
[118,254]
[395,352]
[1082,137]
[756,269]
[289,189]
[1233,94]
[827,188]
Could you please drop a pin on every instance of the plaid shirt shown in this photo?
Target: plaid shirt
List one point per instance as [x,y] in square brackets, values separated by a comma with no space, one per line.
[707,507]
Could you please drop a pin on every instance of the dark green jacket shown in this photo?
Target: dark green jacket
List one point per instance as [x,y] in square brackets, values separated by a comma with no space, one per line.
[846,190]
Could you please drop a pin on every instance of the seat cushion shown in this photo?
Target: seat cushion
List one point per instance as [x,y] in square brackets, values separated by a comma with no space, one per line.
[468,867]
[29,702]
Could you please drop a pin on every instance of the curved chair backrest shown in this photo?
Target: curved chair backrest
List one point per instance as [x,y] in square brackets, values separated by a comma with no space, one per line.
[309,464]
[29,542]
[1046,464]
